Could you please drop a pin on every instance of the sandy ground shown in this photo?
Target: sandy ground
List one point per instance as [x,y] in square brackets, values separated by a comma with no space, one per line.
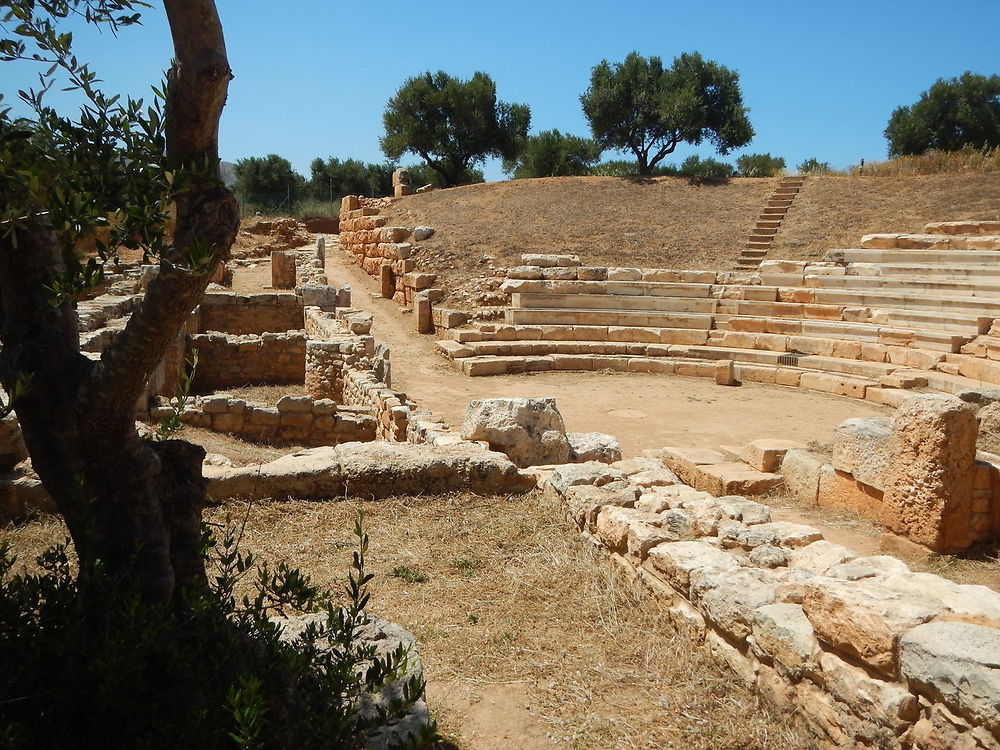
[642,411]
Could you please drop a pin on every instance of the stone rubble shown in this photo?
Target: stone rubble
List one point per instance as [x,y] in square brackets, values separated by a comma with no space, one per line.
[856,650]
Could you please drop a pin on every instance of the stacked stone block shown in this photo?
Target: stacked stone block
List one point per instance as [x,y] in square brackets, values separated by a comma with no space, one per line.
[225,361]
[299,420]
[381,250]
[858,651]
[250,313]
[392,410]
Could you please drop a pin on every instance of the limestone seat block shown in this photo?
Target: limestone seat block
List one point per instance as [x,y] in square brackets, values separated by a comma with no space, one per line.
[930,474]
[957,663]
[594,446]
[677,560]
[595,473]
[371,470]
[866,618]
[784,633]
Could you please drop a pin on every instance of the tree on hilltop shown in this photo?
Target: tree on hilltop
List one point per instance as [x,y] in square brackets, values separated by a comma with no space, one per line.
[552,154]
[452,124]
[952,114]
[639,106]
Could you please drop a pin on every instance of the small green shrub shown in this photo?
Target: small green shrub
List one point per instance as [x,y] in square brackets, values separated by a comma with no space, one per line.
[89,663]
[760,165]
[707,170]
[815,166]
[621,168]
[408,574]
[466,567]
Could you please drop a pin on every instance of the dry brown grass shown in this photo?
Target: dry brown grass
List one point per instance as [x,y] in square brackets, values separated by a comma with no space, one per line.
[669,222]
[514,601]
[835,212]
[267,395]
[240,452]
[665,222]
[934,162]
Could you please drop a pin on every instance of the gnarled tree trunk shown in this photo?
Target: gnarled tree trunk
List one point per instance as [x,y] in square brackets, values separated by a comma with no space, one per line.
[132,504]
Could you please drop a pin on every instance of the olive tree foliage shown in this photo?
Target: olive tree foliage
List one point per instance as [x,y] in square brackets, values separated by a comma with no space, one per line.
[760,165]
[119,171]
[640,106]
[452,124]
[268,180]
[552,154]
[952,114]
[332,179]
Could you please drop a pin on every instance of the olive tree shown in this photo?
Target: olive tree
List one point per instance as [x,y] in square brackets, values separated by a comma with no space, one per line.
[640,106]
[452,124]
[121,171]
[554,154]
[952,114]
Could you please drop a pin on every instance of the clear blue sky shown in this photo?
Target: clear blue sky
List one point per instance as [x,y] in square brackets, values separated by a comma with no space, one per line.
[313,76]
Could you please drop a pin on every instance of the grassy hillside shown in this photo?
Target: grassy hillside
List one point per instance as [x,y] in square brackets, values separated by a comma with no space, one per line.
[670,222]
[837,211]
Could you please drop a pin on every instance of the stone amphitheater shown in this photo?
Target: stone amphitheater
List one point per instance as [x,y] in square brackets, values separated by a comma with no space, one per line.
[855,648]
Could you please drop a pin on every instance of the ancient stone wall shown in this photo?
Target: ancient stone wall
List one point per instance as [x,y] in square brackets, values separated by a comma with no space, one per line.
[381,250]
[295,419]
[225,361]
[250,313]
[363,388]
[917,473]
[858,651]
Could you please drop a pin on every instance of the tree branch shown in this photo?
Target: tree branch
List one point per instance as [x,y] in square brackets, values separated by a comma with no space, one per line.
[207,213]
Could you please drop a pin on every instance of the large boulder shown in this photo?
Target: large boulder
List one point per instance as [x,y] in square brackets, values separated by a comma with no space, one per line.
[529,430]
[371,470]
[594,446]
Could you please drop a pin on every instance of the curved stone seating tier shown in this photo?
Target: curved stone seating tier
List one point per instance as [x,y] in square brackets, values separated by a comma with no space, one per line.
[900,312]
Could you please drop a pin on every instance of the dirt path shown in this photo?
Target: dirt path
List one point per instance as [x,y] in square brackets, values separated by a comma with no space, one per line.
[642,411]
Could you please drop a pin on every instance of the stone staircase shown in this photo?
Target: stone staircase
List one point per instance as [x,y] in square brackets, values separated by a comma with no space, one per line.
[767,224]
[900,312]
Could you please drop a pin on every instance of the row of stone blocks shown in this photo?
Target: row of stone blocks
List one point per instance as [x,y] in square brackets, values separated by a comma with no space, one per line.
[295,419]
[857,651]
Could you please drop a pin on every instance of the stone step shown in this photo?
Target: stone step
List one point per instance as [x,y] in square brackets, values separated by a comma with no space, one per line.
[759,244]
[814,373]
[928,284]
[711,471]
[754,252]
[768,224]
[614,302]
[923,257]
[921,319]
[778,202]
[786,191]
[628,318]
[896,300]
[930,242]
[641,288]
[775,330]
[917,270]
[774,211]
[963,227]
